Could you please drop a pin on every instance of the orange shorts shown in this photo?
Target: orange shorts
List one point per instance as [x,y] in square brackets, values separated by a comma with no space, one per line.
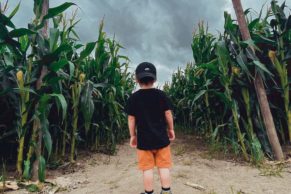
[148,159]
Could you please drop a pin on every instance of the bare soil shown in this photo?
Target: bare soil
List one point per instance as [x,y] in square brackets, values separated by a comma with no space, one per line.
[193,163]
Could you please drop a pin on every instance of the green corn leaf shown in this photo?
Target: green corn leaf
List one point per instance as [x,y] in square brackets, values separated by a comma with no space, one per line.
[4,20]
[261,66]
[50,58]
[47,141]
[101,85]
[8,59]
[37,7]
[24,43]
[71,69]
[223,98]
[247,11]
[62,102]
[253,24]
[3,33]
[77,46]
[200,93]
[26,172]
[43,113]
[87,51]
[41,169]
[241,58]
[25,90]
[250,43]
[215,131]
[258,38]
[58,65]
[75,34]
[20,32]
[43,105]
[15,10]
[222,53]
[211,66]
[52,12]
[65,47]
[87,104]
[52,80]
[54,37]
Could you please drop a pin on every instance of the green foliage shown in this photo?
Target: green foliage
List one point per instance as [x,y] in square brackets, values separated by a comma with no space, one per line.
[79,101]
[216,95]
[41,169]
[32,188]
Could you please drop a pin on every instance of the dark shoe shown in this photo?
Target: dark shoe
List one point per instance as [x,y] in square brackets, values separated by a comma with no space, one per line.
[166,192]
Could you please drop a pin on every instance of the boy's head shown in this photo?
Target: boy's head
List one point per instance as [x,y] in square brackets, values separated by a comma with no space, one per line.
[146,73]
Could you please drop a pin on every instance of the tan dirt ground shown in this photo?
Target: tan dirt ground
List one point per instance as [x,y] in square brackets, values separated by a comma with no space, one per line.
[102,174]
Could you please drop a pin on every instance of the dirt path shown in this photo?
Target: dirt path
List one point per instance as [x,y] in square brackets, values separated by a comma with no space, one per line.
[118,174]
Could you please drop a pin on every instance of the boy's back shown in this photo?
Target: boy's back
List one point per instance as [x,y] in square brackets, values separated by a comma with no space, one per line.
[149,106]
[151,127]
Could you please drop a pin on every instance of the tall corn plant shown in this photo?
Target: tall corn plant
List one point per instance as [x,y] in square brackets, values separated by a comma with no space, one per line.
[228,75]
[203,52]
[91,79]
[226,80]
[39,56]
[281,25]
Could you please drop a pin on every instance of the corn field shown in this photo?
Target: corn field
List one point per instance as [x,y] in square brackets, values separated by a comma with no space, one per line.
[59,95]
[215,96]
[56,93]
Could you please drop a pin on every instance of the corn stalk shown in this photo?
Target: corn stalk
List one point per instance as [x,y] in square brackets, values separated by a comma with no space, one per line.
[43,6]
[107,85]
[283,75]
[282,25]
[24,97]
[259,86]
[226,80]
[76,93]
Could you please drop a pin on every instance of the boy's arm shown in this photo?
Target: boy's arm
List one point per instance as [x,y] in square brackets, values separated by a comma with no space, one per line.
[131,127]
[170,123]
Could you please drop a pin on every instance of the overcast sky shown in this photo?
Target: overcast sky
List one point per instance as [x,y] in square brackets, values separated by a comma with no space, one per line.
[158,31]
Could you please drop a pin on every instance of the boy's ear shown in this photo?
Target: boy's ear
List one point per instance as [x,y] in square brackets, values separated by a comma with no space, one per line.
[136,80]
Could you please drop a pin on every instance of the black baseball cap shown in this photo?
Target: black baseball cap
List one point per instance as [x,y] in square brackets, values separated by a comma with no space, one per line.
[146,69]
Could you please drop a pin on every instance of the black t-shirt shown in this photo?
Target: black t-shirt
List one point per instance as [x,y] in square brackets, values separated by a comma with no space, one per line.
[148,106]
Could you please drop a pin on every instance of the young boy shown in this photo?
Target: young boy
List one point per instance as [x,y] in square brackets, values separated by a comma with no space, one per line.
[150,123]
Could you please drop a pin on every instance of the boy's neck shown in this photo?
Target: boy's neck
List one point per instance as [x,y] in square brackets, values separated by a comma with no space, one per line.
[145,87]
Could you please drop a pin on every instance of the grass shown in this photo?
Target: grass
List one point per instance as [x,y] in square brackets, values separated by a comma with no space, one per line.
[271,170]
[214,150]
[180,150]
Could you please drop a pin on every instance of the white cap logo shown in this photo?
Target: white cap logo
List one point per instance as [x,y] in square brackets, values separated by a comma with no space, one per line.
[147,69]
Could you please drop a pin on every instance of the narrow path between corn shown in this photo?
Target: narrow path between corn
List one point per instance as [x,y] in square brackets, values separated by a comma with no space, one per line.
[118,174]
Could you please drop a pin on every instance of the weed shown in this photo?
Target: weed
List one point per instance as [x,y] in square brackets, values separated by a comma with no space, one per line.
[180,150]
[271,170]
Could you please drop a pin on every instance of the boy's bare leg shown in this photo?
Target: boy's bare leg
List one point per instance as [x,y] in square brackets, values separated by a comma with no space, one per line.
[165,177]
[148,179]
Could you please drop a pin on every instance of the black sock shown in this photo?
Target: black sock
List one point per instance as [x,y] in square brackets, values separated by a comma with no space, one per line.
[149,192]
[166,189]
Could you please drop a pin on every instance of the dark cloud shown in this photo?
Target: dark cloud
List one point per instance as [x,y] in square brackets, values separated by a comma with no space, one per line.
[159,31]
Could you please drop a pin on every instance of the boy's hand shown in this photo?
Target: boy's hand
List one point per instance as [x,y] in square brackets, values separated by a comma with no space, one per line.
[171,134]
[133,142]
